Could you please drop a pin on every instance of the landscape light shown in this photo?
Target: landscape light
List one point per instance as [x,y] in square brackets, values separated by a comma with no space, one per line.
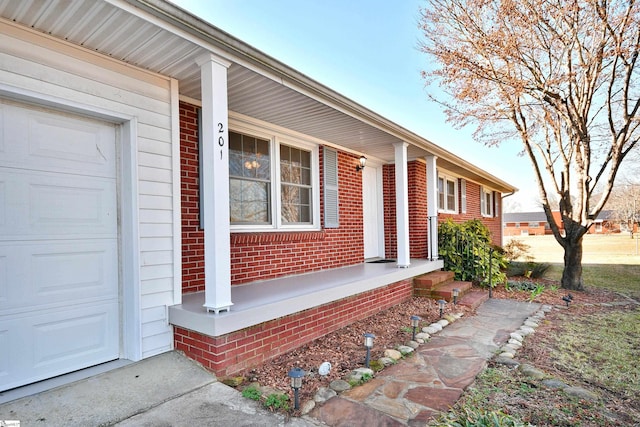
[415,322]
[296,374]
[455,292]
[368,343]
[441,304]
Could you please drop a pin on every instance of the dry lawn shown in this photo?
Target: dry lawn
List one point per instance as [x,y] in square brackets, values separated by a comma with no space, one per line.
[597,249]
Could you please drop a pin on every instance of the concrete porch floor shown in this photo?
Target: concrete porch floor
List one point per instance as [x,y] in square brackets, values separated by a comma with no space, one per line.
[261,301]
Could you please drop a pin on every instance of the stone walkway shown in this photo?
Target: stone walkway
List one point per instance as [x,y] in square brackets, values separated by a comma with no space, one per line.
[415,390]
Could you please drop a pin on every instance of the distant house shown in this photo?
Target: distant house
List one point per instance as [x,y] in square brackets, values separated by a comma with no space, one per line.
[164,185]
[536,224]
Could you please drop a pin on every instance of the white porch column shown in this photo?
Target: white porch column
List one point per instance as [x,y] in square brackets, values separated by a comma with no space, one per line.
[432,206]
[402,204]
[215,183]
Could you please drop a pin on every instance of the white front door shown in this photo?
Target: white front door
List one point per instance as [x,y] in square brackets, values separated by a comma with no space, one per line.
[59,292]
[373,223]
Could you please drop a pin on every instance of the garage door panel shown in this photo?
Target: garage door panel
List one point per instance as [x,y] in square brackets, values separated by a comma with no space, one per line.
[39,205]
[47,275]
[84,333]
[54,141]
[57,341]
[59,261]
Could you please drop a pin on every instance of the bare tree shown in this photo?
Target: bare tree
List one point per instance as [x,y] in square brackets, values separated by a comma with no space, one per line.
[561,77]
[624,203]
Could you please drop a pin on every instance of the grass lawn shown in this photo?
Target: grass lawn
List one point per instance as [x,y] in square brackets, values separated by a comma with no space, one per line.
[595,347]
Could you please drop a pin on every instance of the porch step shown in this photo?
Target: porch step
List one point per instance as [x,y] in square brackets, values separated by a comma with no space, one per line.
[445,291]
[473,298]
[428,281]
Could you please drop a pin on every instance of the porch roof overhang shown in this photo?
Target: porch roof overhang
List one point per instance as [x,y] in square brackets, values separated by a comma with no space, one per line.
[160,37]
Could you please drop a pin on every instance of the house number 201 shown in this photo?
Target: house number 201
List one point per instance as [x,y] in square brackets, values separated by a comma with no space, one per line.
[221,137]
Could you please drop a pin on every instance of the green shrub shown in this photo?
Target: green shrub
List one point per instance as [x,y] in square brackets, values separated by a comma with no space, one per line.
[467,251]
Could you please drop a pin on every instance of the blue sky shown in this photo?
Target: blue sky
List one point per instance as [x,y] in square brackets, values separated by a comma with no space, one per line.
[367,51]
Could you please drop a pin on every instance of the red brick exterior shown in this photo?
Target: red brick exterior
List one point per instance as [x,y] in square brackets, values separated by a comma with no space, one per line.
[260,256]
[389,209]
[236,351]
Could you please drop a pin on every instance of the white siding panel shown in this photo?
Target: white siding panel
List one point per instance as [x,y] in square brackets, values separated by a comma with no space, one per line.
[83,80]
[156,344]
[148,258]
[153,314]
[159,285]
[146,173]
[154,160]
[157,299]
[157,272]
[155,216]
[146,145]
[157,230]
[155,202]
[155,188]
[156,243]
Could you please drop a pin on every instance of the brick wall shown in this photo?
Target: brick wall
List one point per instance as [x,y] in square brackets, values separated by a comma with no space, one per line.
[260,256]
[494,224]
[236,351]
[418,215]
[389,208]
[192,234]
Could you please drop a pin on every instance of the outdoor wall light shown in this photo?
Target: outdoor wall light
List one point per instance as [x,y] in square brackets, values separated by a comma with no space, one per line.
[296,374]
[415,322]
[441,304]
[363,161]
[368,343]
[455,292]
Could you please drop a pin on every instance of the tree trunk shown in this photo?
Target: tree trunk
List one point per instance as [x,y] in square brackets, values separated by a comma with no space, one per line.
[572,274]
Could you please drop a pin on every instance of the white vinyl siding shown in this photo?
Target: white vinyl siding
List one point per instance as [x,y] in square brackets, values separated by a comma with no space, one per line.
[89,83]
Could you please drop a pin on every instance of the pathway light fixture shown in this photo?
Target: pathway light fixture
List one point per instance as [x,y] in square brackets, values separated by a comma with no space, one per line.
[368,343]
[296,374]
[441,304]
[415,322]
[455,292]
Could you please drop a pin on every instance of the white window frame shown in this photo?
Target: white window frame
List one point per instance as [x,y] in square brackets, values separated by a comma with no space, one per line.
[446,208]
[276,138]
[487,211]
[463,195]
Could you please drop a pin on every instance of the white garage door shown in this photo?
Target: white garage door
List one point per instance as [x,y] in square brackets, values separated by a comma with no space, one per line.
[59,308]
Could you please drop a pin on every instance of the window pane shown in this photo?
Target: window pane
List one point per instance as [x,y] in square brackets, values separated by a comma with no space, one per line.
[249,202]
[440,193]
[295,177]
[451,195]
[249,180]
[296,205]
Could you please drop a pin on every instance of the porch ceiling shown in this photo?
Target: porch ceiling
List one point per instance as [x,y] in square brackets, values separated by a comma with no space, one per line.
[160,37]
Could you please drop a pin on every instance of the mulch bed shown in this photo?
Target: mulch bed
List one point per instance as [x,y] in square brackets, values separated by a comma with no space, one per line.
[344,348]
